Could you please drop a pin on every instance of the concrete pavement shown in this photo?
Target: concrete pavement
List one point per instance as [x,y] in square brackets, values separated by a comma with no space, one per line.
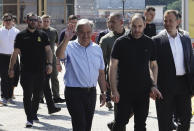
[12,117]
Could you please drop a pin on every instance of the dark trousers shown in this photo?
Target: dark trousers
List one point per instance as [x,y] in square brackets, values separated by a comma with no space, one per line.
[6,82]
[32,85]
[47,93]
[108,95]
[16,73]
[179,100]
[139,104]
[54,80]
[108,92]
[81,105]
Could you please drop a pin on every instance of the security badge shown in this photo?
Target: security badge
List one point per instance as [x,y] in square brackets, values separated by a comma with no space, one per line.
[39,39]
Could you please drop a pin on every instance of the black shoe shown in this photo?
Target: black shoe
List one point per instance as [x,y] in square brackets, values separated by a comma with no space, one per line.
[58,100]
[29,124]
[42,101]
[110,125]
[35,119]
[174,126]
[54,110]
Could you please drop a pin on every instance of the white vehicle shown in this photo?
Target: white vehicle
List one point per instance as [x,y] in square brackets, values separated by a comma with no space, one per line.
[188,17]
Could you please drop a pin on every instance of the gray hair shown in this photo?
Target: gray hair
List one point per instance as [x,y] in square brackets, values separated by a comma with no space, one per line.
[83,22]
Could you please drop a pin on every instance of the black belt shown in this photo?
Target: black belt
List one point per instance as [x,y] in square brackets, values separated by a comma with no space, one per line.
[5,54]
[81,88]
[180,76]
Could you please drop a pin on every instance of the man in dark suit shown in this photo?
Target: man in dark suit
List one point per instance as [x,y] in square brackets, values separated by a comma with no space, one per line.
[174,56]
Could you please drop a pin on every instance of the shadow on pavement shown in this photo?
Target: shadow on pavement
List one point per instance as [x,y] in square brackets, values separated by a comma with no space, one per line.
[2,130]
[100,112]
[46,126]
[55,117]
[62,105]
[17,105]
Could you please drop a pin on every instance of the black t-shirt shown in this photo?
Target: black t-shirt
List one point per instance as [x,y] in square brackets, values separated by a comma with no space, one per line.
[150,30]
[133,67]
[32,47]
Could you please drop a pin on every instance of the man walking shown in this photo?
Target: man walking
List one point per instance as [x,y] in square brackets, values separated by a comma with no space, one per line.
[130,79]
[115,23]
[46,87]
[35,59]
[150,29]
[174,58]
[7,36]
[84,67]
[72,19]
[53,39]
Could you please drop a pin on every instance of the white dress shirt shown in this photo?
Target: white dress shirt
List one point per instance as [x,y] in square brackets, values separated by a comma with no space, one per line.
[177,52]
[7,38]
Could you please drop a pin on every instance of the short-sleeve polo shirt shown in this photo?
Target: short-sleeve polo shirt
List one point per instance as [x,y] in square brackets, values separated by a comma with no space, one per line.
[32,47]
[134,56]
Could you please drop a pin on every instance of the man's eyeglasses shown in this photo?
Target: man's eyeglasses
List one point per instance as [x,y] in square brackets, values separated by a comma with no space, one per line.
[7,20]
[33,20]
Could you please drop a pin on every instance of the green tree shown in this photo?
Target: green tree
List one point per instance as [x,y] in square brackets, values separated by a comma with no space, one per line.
[176,5]
[158,2]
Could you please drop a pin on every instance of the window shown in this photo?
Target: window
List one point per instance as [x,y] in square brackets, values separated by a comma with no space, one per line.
[55,8]
[26,6]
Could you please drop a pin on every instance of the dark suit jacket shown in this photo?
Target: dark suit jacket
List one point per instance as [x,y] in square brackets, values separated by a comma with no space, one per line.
[166,67]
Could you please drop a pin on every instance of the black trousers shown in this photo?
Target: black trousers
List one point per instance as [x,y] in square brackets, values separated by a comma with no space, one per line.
[47,93]
[129,104]
[16,73]
[81,105]
[178,100]
[6,82]
[32,84]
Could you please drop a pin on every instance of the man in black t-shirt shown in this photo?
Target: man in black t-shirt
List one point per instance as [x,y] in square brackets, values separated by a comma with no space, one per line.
[150,29]
[71,20]
[130,79]
[35,59]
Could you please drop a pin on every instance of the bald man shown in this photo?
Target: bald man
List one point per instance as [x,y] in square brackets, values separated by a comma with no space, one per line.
[130,80]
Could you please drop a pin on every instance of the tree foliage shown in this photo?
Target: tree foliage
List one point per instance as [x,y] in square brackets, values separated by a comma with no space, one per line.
[159,2]
[170,4]
[176,5]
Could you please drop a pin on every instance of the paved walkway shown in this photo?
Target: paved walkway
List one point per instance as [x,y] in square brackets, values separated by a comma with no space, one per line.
[12,117]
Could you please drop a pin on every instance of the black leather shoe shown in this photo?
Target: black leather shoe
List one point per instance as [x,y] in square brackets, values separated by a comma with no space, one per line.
[58,100]
[110,125]
[29,124]
[35,119]
[42,101]
[174,125]
[54,110]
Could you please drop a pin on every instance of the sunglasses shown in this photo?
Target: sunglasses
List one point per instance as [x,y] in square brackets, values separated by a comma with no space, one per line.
[7,19]
[33,20]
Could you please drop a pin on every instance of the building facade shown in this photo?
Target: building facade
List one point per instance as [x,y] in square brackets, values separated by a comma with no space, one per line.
[102,8]
[59,10]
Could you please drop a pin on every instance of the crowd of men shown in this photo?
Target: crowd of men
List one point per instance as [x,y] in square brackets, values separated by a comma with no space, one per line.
[130,66]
